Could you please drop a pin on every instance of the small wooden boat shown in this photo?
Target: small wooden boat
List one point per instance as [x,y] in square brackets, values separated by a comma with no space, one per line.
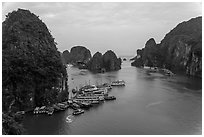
[101,98]
[74,91]
[57,108]
[35,111]
[78,111]
[110,98]
[95,102]
[62,106]
[118,83]
[42,109]
[85,105]
[50,110]
[74,106]
[20,112]
[104,86]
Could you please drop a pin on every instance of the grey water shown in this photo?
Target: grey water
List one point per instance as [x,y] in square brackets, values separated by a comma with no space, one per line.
[149,104]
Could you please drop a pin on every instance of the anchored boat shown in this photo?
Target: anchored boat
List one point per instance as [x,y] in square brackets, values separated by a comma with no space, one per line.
[110,98]
[118,83]
[50,110]
[78,111]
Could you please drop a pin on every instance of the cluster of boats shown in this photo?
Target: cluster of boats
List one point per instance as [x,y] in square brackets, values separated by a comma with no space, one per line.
[91,95]
[85,97]
[50,109]
[160,70]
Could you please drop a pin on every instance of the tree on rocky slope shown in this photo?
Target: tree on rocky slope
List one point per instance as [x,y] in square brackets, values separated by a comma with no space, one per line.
[32,69]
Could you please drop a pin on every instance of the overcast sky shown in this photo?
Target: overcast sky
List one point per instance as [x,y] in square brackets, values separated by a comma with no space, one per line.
[121,27]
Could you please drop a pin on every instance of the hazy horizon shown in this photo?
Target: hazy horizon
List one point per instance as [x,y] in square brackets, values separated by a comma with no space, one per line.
[99,26]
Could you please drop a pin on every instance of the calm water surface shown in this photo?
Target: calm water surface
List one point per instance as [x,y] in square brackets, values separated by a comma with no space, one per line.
[150,103]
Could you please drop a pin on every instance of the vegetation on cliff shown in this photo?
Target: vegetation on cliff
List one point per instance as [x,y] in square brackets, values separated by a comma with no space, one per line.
[81,57]
[65,56]
[180,50]
[103,63]
[77,54]
[96,62]
[32,72]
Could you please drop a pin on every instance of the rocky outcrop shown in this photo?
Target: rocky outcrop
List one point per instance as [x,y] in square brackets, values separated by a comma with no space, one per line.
[106,62]
[96,63]
[78,55]
[179,51]
[111,62]
[151,54]
[66,57]
[138,61]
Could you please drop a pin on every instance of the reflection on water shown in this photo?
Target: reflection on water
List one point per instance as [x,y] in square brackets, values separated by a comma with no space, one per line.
[150,103]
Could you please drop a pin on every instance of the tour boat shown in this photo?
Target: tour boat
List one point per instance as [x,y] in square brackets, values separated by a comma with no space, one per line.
[89,88]
[109,98]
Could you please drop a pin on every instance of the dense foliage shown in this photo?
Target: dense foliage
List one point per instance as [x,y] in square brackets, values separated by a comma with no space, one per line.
[96,62]
[32,72]
[106,62]
[77,54]
[81,57]
[66,56]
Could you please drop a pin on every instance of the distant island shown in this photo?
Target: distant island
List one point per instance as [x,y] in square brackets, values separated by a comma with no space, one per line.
[81,57]
[179,51]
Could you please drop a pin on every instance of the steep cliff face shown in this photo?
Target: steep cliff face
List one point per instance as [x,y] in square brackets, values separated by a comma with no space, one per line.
[106,62]
[151,55]
[183,47]
[138,61]
[180,50]
[194,65]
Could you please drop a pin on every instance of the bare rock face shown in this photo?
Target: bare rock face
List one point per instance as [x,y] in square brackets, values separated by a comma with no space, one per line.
[179,51]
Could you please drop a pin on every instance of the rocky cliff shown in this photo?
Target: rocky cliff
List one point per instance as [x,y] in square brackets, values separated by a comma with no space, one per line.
[104,63]
[96,63]
[32,69]
[111,62]
[179,51]
[77,54]
[65,56]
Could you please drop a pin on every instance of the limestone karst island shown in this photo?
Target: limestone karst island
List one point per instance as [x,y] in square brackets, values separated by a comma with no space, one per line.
[101,68]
